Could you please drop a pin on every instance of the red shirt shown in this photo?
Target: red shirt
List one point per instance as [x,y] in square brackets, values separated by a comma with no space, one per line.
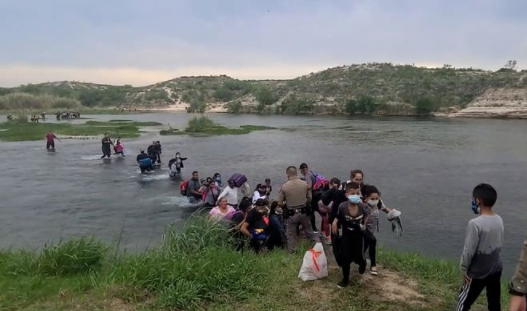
[50,137]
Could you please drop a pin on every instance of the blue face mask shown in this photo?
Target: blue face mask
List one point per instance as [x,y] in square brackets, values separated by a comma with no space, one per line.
[475,207]
[354,198]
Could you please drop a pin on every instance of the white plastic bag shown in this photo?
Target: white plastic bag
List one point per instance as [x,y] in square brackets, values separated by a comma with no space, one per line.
[315,265]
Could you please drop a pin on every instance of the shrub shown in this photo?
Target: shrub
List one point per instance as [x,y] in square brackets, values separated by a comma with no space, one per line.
[265,97]
[223,94]
[234,107]
[424,106]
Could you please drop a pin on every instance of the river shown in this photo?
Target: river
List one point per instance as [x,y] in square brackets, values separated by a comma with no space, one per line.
[426,168]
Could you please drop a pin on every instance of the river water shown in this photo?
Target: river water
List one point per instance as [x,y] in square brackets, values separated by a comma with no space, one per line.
[426,168]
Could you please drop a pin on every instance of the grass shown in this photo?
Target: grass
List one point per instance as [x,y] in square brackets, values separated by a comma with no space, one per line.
[204,126]
[23,131]
[196,268]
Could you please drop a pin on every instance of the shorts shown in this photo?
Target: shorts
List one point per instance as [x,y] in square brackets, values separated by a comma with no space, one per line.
[50,144]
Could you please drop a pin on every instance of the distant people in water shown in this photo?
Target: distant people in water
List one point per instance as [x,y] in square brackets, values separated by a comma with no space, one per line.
[106,146]
[154,151]
[176,164]
[50,140]
[144,161]
[119,148]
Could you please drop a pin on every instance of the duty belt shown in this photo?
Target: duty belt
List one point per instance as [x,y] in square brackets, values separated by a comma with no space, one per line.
[298,209]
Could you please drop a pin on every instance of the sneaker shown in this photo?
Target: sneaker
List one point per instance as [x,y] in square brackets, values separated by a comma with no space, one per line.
[362,269]
[373,271]
[328,242]
[343,284]
[315,231]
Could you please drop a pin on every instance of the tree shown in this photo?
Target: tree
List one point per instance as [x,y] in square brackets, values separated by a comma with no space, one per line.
[511,65]
[264,96]
[424,106]
[197,106]
[350,106]
[223,94]
[234,107]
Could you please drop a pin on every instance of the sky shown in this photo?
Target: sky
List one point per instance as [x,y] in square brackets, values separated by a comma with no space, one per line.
[141,42]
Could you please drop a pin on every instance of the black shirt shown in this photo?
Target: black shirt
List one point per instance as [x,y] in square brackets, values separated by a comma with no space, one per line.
[337,197]
[255,220]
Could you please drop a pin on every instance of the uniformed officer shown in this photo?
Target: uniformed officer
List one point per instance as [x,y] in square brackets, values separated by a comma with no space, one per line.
[297,195]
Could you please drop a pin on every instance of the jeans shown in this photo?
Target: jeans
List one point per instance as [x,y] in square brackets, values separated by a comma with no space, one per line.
[370,244]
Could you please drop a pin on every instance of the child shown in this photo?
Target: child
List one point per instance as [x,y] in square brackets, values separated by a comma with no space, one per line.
[480,262]
[352,217]
[119,148]
[375,204]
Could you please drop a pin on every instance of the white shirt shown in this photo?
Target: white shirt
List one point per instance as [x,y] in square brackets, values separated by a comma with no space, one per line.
[256,196]
[231,195]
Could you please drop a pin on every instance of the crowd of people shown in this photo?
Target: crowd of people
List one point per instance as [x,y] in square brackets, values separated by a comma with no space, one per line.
[349,212]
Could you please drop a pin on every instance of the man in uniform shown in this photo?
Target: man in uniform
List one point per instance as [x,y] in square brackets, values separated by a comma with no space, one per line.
[297,195]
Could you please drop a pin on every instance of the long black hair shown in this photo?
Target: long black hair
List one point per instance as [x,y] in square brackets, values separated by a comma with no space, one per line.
[274,205]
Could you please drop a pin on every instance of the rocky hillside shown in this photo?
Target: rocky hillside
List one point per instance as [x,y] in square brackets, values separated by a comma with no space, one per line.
[497,103]
[377,88]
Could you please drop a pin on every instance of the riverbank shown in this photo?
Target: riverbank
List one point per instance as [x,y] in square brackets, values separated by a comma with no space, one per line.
[197,269]
[27,131]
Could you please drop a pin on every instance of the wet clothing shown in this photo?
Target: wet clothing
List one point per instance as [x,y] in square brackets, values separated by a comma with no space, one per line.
[276,231]
[176,164]
[481,262]
[352,239]
[473,288]
[483,242]
[50,140]
[106,147]
[153,152]
[145,163]
[119,149]
[193,185]
[211,196]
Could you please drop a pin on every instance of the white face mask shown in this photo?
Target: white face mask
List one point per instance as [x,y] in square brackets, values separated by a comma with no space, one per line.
[373,203]
[278,211]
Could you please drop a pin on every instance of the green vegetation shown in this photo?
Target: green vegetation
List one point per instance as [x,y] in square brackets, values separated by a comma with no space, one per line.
[374,88]
[204,125]
[24,101]
[197,268]
[234,107]
[265,96]
[24,131]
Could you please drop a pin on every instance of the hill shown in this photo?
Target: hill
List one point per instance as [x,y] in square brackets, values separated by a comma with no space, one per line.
[375,88]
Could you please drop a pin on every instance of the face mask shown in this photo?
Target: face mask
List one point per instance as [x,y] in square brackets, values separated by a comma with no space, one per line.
[218,178]
[278,211]
[373,203]
[475,207]
[354,198]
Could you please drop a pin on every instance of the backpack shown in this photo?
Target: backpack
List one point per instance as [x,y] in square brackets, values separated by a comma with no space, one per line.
[238,179]
[183,187]
[318,177]
[321,184]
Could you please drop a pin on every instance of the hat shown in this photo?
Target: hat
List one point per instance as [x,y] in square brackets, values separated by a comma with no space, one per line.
[261,202]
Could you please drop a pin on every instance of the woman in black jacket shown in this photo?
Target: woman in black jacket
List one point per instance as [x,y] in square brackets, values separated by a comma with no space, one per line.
[276,227]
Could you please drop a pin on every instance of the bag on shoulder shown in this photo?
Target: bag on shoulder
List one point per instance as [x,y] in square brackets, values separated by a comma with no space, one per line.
[183,187]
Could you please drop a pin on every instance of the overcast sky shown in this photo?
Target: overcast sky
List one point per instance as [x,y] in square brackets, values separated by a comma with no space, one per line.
[140,42]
